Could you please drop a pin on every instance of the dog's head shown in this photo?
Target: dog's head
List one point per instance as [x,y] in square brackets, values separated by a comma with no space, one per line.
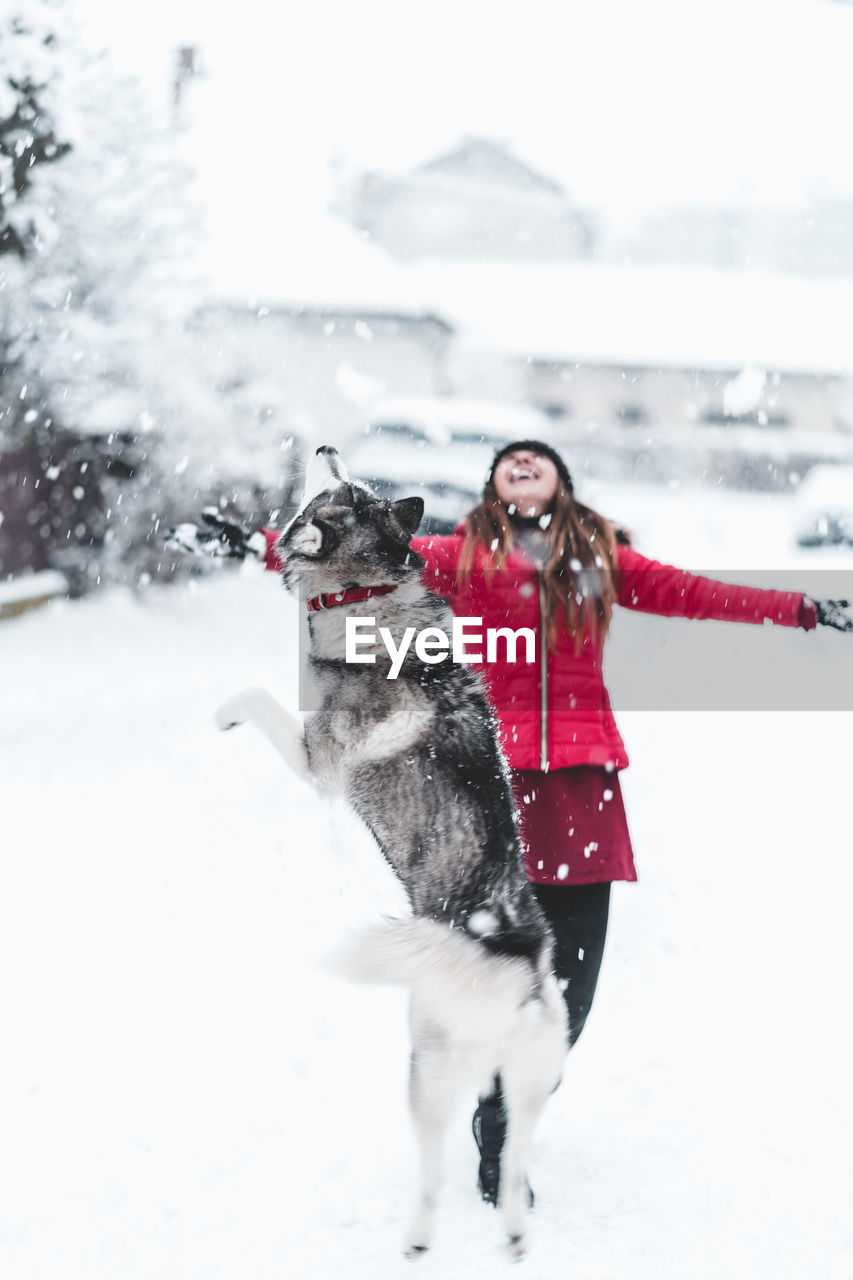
[344,536]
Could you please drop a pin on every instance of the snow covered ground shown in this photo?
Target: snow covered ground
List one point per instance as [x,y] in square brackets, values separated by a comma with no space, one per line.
[186,1093]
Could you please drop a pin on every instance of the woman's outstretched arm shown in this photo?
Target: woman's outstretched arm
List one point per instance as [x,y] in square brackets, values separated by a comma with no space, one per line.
[652,587]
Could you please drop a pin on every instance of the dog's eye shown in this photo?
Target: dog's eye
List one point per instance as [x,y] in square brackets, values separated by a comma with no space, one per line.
[324,515]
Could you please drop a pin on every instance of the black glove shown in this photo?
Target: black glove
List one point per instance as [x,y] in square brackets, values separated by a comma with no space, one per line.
[222,538]
[834,613]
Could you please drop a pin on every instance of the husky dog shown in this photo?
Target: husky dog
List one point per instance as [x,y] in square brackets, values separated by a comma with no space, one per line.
[418,758]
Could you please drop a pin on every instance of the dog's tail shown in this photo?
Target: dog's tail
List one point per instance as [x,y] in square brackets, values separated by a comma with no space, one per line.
[446,969]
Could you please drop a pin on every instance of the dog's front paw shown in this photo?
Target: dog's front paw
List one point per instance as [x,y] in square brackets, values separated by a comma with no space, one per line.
[236,710]
[225,717]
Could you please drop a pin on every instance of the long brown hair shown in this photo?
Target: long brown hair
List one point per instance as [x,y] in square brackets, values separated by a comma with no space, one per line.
[578,574]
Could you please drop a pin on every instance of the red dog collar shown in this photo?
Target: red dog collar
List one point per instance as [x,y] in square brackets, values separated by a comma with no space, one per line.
[350,596]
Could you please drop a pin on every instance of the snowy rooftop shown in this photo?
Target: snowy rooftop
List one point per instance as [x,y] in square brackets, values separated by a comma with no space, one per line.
[439,416]
[649,316]
[318,263]
[645,316]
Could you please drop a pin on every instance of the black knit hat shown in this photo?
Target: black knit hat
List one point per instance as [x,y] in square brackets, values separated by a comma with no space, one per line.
[534,446]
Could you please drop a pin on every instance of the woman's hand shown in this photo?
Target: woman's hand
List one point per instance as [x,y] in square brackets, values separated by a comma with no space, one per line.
[222,538]
[834,613]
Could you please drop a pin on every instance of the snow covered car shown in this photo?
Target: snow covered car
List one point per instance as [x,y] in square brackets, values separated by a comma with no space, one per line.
[439,448]
[824,507]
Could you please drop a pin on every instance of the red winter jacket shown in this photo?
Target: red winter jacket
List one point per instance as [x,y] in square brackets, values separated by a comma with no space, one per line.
[555,712]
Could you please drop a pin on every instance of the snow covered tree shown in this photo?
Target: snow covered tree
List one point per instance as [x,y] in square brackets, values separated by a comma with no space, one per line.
[28,135]
[92,301]
[29,72]
[104,373]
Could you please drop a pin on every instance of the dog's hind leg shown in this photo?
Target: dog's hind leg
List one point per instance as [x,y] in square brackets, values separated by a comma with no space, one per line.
[283,730]
[530,1073]
[434,1084]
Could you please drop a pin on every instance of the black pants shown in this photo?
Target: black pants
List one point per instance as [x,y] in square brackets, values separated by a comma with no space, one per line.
[577,914]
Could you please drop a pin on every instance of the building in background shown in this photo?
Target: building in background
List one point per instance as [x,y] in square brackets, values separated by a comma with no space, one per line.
[661,346]
[304,340]
[475,201]
[812,238]
[653,373]
[657,372]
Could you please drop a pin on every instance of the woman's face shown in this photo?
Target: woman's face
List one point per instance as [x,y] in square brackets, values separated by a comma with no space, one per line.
[527,481]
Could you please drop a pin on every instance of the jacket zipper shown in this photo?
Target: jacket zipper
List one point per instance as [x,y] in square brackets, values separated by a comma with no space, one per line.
[543,678]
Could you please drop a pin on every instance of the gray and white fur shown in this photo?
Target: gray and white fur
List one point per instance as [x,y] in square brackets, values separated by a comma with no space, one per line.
[418,758]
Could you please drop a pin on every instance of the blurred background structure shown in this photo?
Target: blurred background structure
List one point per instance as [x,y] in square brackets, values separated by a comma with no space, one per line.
[222,244]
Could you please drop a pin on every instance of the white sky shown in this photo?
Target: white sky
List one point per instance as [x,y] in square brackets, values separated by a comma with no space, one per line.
[627,103]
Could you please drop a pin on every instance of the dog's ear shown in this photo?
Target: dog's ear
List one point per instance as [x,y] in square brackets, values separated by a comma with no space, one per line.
[409,512]
[361,502]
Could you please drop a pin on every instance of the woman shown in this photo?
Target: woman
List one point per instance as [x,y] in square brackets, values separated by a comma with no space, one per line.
[531,555]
